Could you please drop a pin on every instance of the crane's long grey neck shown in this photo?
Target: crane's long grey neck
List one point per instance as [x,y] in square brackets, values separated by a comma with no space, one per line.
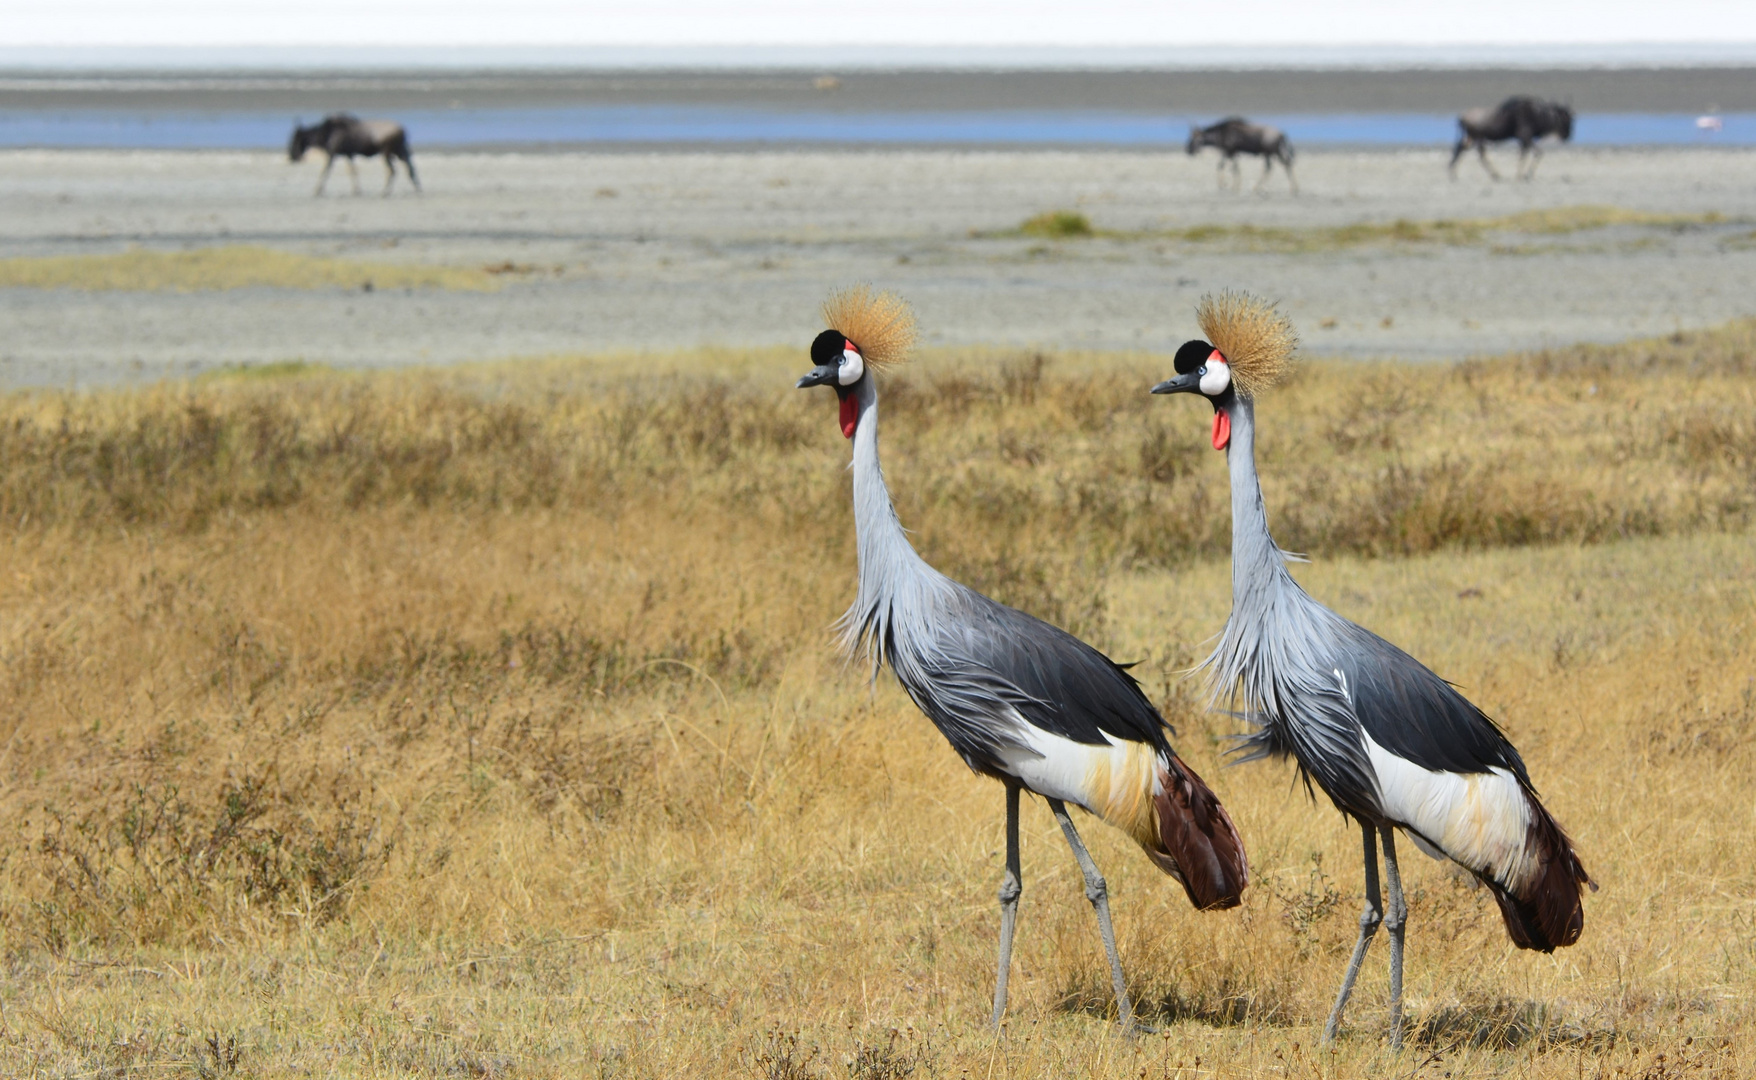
[1260,582]
[881,535]
[895,582]
[1256,559]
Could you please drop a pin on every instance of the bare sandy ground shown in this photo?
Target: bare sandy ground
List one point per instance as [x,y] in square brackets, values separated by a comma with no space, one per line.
[677,249]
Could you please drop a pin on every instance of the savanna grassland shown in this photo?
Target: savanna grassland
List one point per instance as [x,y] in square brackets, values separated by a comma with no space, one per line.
[484,722]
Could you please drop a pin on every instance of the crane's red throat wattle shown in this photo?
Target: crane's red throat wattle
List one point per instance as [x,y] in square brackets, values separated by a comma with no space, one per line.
[1222,428]
[850,416]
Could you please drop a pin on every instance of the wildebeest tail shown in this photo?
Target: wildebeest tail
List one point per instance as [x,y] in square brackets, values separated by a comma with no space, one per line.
[1199,846]
[1545,912]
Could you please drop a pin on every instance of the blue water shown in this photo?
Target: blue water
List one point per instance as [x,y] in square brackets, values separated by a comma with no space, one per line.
[739,125]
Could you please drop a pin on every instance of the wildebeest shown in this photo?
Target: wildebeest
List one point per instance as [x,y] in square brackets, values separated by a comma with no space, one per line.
[1526,119]
[1235,135]
[346,135]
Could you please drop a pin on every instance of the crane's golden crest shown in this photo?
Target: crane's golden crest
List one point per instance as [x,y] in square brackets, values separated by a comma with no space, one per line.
[880,324]
[1256,340]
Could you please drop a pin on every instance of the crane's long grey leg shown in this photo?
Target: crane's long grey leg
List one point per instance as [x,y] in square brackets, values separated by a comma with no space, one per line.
[1369,920]
[1394,922]
[1099,894]
[1010,886]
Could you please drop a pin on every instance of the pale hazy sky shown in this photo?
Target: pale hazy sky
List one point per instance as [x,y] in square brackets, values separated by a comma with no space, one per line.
[1000,23]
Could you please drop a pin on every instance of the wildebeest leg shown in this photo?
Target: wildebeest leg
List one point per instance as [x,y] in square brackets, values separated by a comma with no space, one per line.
[1536,155]
[409,164]
[1482,152]
[1267,167]
[390,167]
[354,171]
[1287,164]
[1221,174]
[323,177]
[1458,151]
[1237,174]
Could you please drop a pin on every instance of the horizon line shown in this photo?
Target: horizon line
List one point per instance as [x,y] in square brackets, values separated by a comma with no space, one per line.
[867,57]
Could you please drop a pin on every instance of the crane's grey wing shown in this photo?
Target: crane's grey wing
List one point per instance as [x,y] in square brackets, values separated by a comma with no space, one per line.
[1494,826]
[993,671]
[1064,686]
[1418,716]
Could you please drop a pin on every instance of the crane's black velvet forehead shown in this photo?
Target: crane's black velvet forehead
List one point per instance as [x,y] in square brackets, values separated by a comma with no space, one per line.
[1192,355]
[827,348]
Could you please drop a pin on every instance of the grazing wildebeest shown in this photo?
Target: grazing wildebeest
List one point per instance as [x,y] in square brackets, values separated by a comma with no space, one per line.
[345,135]
[1526,119]
[1235,135]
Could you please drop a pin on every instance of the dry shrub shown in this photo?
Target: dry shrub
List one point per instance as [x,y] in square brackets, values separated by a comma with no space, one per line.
[142,861]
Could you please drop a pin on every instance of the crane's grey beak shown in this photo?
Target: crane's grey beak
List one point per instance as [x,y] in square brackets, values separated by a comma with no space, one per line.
[821,375]
[1182,384]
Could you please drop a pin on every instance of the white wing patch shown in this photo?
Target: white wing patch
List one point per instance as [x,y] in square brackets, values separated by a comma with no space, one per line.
[1480,820]
[1115,781]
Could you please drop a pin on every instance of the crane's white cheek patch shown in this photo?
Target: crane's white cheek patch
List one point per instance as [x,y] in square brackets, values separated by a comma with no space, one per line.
[852,367]
[1218,377]
[1481,820]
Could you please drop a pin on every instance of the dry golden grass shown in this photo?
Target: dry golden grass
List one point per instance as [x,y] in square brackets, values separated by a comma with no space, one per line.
[235,266]
[486,722]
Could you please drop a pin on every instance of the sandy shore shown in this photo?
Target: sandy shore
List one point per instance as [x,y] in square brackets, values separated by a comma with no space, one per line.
[668,250]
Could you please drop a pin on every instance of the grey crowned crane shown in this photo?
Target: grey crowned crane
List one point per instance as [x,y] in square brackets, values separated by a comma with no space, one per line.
[1019,700]
[1393,745]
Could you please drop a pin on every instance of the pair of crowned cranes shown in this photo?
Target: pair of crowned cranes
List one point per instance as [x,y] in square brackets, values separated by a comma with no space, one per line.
[1393,745]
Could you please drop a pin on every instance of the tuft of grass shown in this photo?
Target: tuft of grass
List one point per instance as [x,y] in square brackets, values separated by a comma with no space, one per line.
[1058,225]
[486,722]
[235,266]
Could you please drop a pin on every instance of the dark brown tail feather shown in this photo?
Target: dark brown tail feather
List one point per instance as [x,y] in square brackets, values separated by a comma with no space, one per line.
[1547,914]
[1199,845]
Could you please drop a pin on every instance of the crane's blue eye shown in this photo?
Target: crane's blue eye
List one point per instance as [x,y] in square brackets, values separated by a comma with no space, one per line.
[1203,371]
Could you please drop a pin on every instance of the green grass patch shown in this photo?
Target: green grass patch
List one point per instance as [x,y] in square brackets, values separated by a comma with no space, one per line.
[237,266]
[273,370]
[1554,221]
[1058,225]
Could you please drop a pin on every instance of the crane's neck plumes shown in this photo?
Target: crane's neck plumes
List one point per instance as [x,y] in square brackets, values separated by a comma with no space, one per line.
[895,582]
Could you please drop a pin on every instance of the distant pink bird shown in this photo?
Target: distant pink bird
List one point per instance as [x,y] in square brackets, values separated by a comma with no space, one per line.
[1709,123]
